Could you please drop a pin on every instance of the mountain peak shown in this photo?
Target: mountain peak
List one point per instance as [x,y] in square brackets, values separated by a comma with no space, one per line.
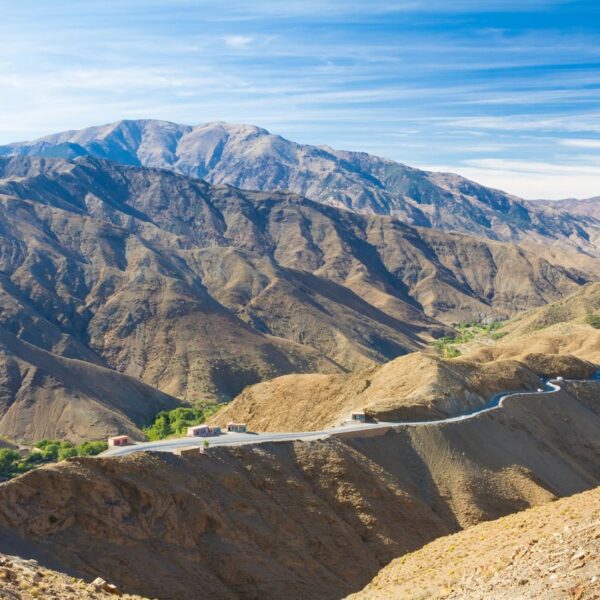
[250,157]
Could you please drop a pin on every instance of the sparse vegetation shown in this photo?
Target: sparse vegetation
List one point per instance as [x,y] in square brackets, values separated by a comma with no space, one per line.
[593,320]
[13,463]
[467,332]
[175,422]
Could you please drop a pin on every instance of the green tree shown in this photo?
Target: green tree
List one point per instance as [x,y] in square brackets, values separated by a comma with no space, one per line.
[8,458]
[67,452]
[92,448]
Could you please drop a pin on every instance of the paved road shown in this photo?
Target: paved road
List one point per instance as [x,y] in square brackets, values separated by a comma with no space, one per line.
[237,439]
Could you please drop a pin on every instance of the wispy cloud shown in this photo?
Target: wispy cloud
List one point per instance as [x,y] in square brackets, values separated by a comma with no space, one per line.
[238,41]
[435,82]
[581,143]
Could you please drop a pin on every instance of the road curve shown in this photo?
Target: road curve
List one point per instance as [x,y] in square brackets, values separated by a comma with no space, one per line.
[237,439]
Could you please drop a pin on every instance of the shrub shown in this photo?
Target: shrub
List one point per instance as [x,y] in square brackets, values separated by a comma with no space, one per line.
[67,452]
[594,321]
[45,451]
[91,448]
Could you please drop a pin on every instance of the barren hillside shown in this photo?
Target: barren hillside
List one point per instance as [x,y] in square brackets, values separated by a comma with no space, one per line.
[566,327]
[45,395]
[413,387]
[28,580]
[550,552]
[200,290]
[299,520]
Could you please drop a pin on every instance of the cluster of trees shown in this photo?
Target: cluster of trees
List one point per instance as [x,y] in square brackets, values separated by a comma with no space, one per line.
[465,333]
[175,422]
[13,463]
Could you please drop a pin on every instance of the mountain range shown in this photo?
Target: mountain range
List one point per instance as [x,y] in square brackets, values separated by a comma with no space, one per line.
[249,157]
[127,247]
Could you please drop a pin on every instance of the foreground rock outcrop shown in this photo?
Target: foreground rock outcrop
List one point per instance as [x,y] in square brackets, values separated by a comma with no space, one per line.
[299,520]
[549,552]
[28,580]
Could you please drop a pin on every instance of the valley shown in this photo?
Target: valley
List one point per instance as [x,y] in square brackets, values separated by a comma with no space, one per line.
[135,279]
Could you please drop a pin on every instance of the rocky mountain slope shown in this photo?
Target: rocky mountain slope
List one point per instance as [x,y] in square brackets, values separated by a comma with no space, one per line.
[570,326]
[48,396]
[165,277]
[27,580]
[550,552]
[251,158]
[414,387]
[166,526]
[589,207]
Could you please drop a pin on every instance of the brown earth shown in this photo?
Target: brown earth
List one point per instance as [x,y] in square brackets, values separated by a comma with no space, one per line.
[412,387]
[299,520]
[559,328]
[27,580]
[550,552]
[48,396]
[201,290]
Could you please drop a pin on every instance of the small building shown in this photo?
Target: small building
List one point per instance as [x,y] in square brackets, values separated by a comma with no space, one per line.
[237,427]
[203,430]
[118,440]
[358,416]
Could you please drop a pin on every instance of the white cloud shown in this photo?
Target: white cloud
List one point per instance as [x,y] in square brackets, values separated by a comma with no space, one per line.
[530,179]
[580,143]
[238,41]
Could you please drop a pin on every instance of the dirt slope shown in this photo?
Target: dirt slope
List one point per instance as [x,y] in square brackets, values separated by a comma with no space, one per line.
[549,552]
[27,580]
[299,520]
[412,387]
[47,396]
[559,328]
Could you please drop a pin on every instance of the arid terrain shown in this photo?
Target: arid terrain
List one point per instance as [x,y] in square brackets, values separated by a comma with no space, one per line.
[28,580]
[569,326]
[342,508]
[550,552]
[133,278]
[413,387]
[251,158]
[164,278]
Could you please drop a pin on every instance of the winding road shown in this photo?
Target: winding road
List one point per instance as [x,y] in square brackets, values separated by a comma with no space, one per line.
[237,439]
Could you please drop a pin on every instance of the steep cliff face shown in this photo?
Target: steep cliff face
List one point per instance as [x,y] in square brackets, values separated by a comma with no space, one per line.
[299,520]
[250,157]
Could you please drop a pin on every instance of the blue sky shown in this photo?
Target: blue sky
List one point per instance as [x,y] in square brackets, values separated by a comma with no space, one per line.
[505,92]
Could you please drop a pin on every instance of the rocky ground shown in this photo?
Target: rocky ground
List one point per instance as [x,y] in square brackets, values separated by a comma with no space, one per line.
[27,580]
[551,552]
[296,520]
